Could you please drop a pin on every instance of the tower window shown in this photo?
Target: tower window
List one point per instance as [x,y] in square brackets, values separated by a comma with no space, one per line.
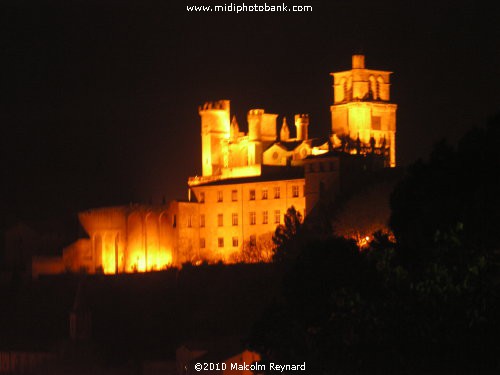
[277,192]
[252,218]
[220,220]
[264,194]
[277,216]
[253,240]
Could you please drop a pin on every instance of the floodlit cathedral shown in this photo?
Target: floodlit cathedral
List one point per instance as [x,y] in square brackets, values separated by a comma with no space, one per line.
[248,182]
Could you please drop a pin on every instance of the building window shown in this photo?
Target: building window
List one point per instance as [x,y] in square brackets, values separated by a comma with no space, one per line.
[219,196]
[264,193]
[202,243]
[277,216]
[234,195]
[174,221]
[220,220]
[295,191]
[190,221]
[252,218]
[276,192]
[202,220]
[265,217]
[202,197]
[235,219]
[235,241]
[220,241]
[253,240]
[252,194]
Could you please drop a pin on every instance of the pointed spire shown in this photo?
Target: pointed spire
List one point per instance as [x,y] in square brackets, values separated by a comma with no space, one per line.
[234,129]
[285,132]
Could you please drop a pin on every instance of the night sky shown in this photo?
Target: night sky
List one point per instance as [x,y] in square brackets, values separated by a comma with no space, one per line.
[99,98]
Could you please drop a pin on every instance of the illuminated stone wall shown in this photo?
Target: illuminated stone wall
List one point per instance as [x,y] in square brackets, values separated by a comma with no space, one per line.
[237,214]
[132,238]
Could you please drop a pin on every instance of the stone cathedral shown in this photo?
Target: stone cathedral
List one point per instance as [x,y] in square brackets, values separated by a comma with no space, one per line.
[248,182]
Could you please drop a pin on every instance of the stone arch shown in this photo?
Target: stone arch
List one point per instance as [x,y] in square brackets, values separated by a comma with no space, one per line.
[372,87]
[380,82]
[134,257]
[97,253]
[349,89]
[343,91]
[165,237]
[152,241]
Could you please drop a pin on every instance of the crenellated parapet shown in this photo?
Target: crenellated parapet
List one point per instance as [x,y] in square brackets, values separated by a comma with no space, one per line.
[218,105]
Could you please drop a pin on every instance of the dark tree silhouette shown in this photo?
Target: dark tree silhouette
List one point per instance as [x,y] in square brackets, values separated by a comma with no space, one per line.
[286,237]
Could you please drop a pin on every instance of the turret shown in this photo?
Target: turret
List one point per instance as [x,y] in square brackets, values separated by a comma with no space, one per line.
[234,129]
[302,125]
[284,132]
[215,128]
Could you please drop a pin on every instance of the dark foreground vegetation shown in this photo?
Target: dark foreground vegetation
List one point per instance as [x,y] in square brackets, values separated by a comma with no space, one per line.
[426,302]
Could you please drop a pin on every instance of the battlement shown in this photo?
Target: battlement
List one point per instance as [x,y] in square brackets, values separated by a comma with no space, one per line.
[302,116]
[220,105]
[256,112]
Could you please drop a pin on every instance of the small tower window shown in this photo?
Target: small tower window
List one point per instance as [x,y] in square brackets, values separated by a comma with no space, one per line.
[277,216]
[264,193]
[252,218]
[277,192]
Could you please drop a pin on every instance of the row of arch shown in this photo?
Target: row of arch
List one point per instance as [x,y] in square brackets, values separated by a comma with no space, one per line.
[145,244]
[374,87]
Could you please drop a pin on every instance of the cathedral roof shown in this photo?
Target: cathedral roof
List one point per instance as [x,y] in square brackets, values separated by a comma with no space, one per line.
[290,145]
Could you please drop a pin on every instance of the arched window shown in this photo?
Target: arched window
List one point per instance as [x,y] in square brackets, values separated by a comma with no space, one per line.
[349,89]
[343,85]
[380,82]
[372,90]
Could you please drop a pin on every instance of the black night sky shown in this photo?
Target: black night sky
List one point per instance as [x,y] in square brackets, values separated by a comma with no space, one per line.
[99,98]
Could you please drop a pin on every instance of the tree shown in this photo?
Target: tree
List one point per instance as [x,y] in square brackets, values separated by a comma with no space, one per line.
[286,237]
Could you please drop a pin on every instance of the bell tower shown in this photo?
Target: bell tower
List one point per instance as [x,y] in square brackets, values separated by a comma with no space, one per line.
[362,109]
[215,134]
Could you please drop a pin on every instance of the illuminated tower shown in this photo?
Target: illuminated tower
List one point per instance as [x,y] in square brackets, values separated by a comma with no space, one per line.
[302,127]
[215,132]
[362,108]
